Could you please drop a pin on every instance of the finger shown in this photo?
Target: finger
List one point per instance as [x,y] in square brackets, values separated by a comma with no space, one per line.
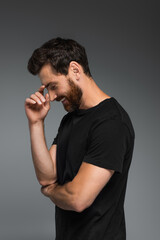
[36,99]
[47,103]
[30,101]
[47,97]
[41,89]
[40,96]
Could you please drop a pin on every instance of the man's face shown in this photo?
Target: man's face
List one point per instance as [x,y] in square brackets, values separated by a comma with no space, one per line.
[62,86]
[72,98]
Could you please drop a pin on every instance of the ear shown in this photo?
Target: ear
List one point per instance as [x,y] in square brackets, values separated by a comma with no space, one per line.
[74,69]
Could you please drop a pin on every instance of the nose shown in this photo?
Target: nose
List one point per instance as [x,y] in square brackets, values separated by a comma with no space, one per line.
[52,96]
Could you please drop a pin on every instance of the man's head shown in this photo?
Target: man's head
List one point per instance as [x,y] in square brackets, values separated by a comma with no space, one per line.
[60,63]
[59,53]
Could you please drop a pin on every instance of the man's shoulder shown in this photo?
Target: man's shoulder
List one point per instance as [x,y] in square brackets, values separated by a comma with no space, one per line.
[111,113]
[106,110]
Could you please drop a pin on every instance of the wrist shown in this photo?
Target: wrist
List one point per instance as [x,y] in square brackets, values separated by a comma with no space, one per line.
[39,123]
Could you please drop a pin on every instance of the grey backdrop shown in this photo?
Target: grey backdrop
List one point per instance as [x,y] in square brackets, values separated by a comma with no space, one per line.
[122,41]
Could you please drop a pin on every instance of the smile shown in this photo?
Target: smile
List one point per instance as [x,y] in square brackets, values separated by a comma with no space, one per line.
[63,99]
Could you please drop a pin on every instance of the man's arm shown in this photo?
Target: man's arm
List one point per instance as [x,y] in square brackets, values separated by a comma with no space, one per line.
[37,107]
[81,192]
[44,161]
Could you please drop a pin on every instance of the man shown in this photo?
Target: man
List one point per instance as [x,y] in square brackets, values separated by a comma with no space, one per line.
[85,171]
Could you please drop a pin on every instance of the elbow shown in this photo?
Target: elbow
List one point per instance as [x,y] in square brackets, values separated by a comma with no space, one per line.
[78,200]
[44,183]
[80,205]
[79,208]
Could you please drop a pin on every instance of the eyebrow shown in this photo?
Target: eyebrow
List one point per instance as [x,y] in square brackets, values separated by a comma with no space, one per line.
[47,85]
[50,83]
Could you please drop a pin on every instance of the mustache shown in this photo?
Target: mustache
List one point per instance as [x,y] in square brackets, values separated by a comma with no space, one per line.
[58,99]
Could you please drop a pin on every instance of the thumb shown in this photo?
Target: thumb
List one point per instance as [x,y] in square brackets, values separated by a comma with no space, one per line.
[47,97]
[47,103]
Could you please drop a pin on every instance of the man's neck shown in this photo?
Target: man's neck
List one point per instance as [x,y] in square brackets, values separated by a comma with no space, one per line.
[92,95]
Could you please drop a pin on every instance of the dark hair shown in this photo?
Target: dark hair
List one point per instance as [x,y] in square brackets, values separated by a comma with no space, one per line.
[59,53]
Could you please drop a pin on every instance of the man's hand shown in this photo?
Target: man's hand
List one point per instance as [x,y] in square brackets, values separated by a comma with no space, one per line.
[47,190]
[37,106]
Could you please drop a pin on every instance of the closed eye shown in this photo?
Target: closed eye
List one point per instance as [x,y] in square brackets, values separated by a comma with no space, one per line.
[52,87]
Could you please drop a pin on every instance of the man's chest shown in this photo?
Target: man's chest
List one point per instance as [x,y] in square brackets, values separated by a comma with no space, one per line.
[71,148]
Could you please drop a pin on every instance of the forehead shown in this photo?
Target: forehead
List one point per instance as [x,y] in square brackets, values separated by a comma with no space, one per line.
[46,74]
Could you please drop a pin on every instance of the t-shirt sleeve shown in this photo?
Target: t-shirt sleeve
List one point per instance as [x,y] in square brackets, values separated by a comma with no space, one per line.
[55,140]
[107,145]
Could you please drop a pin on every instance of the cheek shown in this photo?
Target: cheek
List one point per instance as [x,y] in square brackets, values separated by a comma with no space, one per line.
[64,92]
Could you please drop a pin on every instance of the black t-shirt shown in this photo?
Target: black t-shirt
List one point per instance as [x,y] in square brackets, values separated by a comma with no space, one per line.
[103,136]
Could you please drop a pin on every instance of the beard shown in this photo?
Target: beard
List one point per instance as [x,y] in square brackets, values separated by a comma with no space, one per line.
[73,97]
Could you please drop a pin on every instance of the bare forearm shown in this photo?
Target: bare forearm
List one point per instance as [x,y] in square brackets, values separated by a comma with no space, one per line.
[64,196]
[43,164]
